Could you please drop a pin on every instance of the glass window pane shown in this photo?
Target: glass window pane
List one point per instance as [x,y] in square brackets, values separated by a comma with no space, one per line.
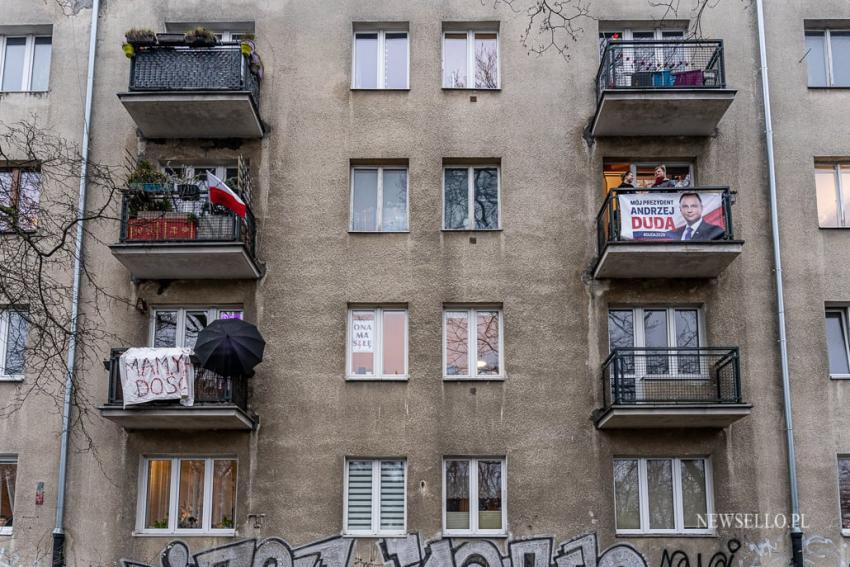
[456,198]
[16,338]
[195,323]
[159,494]
[394,342]
[486,198]
[827,195]
[13,64]
[365,208]
[836,340]
[190,504]
[165,329]
[486,61]
[366,61]
[694,496]
[395,60]
[844,491]
[621,328]
[627,494]
[816,59]
[490,495]
[457,349]
[845,194]
[392,495]
[363,343]
[687,328]
[223,494]
[487,333]
[28,199]
[454,60]
[360,496]
[394,214]
[659,480]
[230,314]
[840,59]
[655,327]
[41,64]
[457,495]
[8,480]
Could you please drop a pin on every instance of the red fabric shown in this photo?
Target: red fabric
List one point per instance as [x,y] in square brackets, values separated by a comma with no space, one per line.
[228,199]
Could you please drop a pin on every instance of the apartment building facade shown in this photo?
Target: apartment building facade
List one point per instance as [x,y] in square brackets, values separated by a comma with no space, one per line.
[469,335]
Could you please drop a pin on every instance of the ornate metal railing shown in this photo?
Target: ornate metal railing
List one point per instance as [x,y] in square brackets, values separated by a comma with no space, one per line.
[210,388]
[663,64]
[676,375]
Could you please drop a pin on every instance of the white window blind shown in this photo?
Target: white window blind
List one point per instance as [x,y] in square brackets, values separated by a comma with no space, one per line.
[375,497]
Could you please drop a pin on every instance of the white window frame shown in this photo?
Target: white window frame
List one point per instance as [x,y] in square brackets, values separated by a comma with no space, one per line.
[376,530]
[473,498]
[379,218]
[189,171]
[470,60]
[4,345]
[472,339]
[837,169]
[678,503]
[29,61]
[229,36]
[10,460]
[379,344]
[470,196]
[213,313]
[827,52]
[843,312]
[174,497]
[382,71]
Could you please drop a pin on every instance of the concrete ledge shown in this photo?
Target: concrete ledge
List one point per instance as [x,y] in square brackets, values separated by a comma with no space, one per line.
[660,112]
[195,418]
[662,416]
[187,261]
[668,259]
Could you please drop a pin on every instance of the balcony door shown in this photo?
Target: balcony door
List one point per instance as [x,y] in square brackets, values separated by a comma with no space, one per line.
[180,326]
[638,66]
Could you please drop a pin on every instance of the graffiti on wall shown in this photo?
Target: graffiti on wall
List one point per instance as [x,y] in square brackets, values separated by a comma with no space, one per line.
[404,552]
[679,558]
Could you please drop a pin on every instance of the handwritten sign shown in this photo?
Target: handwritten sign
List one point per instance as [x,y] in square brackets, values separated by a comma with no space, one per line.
[149,374]
[362,335]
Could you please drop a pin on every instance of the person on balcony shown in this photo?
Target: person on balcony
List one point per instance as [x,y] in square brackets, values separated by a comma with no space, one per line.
[695,227]
[627,181]
[661,179]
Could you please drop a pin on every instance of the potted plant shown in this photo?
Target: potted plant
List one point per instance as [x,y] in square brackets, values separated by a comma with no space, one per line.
[145,177]
[169,38]
[140,37]
[200,37]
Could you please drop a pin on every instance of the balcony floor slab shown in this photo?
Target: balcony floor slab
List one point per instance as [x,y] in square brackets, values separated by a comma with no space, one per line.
[634,259]
[668,416]
[195,418]
[195,260]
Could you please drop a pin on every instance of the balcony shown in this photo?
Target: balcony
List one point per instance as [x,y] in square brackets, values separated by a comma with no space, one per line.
[642,233]
[220,403]
[175,233]
[647,388]
[661,88]
[193,92]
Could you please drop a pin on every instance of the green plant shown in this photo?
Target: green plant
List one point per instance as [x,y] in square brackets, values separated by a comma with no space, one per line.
[193,218]
[226,523]
[140,35]
[160,524]
[200,35]
[145,172]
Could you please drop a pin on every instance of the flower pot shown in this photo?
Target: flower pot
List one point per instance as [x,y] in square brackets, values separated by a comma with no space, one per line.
[171,38]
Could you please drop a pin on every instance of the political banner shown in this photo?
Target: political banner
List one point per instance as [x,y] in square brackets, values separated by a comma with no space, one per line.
[149,374]
[683,215]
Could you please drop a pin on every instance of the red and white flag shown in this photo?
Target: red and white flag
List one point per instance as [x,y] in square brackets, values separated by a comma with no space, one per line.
[221,194]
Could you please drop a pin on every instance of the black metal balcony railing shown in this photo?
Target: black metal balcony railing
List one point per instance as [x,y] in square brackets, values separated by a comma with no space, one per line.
[210,388]
[180,215]
[609,220]
[679,375]
[219,68]
[663,64]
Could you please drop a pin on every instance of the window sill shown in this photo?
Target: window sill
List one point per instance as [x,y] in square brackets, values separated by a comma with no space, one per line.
[845,532]
[472,89]
[829,87]
[366,535]
[464,230]
[501,535]
[379,231]
[404,378]
[12,378]
[230,533]
[362,90]
[2,93]
[839,376]
[5,532]
[833,227]
[474,378]
[668,534]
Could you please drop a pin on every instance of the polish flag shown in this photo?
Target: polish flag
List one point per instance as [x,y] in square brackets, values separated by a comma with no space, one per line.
[221,194]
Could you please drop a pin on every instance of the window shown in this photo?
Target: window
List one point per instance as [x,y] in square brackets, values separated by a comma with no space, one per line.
[471,198]
[179,327]
[647,34]
[379,199]
[481,328]
[13,338]
[681,173]
[380,60]
[844,493]
[662,495]
[375,502]
[187,495]
[198,173]
[24,63]
[377,343]
[8,475]
[471,60]
[837,343]
[229,36]
[474,496]
[832,183]
[20,189]
[658,327]
[828,58]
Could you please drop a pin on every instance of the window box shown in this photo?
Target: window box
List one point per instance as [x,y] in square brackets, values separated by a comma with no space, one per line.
[375,503]
[474,497]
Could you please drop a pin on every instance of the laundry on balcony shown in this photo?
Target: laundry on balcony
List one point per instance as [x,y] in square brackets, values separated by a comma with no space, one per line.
[151,374]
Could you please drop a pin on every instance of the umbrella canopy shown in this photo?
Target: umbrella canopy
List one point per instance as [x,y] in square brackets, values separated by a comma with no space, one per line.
[230,347]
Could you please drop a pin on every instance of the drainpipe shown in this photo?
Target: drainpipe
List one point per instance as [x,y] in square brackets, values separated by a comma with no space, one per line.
[796,531]
[59,529]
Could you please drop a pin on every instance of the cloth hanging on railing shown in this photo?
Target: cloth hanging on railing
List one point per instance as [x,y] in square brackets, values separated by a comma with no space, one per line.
[149,374]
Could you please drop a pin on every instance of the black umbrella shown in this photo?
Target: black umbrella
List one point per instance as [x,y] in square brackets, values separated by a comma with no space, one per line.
[230,347]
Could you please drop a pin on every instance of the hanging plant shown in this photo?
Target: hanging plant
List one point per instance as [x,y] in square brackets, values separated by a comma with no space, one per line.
[129,50]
